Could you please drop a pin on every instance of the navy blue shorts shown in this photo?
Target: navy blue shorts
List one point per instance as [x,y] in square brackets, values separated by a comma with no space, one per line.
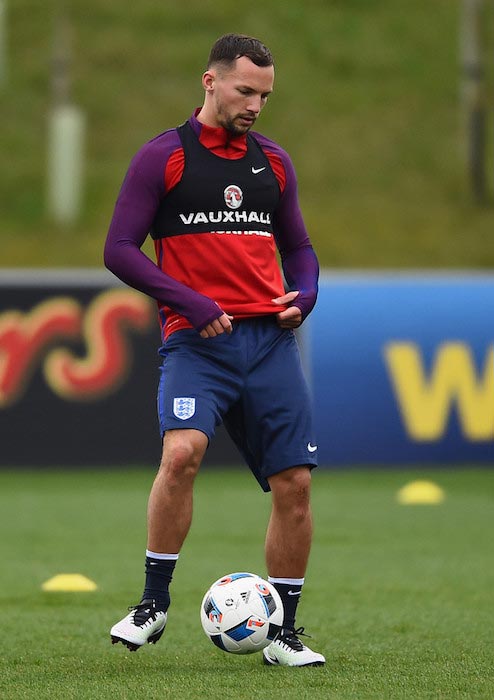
[252,381]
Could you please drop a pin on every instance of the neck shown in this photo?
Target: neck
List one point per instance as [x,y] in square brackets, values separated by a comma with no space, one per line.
[204,117]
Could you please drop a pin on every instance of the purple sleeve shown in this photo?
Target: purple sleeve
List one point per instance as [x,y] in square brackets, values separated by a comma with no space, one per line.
[137,203]
[298,259]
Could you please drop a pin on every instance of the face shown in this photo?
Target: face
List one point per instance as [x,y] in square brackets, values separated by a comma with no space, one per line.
[236,96]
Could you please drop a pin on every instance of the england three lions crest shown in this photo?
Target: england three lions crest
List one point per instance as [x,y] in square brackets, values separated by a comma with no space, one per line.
[184,407]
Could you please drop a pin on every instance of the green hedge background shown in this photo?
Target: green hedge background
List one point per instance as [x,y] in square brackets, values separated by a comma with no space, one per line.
[366,101]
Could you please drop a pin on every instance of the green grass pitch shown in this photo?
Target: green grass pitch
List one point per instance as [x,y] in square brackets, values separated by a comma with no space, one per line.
[398,598]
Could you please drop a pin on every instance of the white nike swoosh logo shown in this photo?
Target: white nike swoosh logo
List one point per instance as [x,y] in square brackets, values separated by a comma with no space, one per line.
[294,592]
[311,448]
[258,170]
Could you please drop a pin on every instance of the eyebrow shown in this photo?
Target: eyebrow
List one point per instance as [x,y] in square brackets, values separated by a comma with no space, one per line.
[248,87]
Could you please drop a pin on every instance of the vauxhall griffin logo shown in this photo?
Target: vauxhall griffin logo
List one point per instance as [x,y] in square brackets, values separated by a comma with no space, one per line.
[233,196]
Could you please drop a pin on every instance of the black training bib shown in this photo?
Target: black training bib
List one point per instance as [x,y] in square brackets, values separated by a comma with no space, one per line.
[218,194]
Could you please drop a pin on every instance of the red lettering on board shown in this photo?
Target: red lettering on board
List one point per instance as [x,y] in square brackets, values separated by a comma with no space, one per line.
[106,364]
[32,339]
[25,337]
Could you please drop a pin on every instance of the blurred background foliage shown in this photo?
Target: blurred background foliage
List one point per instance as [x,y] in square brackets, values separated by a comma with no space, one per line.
[366,102]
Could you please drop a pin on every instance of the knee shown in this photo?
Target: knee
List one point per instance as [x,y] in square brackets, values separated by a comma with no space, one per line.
[180,460]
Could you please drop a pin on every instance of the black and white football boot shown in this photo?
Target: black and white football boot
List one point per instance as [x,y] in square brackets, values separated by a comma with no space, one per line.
[145,623]
[288,650]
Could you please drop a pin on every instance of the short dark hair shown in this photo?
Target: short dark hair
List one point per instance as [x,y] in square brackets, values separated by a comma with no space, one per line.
[229,47]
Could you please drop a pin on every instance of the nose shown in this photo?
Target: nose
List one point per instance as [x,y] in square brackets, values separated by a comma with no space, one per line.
[254,104]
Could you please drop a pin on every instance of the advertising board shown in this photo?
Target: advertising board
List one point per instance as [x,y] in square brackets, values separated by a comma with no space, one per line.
[79,372]
[402,368]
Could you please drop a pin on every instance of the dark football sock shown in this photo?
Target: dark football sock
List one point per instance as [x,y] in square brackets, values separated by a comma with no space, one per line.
[159,573]
[290,595]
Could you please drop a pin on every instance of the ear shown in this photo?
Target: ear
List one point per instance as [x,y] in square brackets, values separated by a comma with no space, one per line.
[208,80]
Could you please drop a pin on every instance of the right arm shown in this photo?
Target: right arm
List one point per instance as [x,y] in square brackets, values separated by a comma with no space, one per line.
[139,198]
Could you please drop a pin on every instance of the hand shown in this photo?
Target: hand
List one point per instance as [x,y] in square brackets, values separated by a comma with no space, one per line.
[291,317]
[220,325]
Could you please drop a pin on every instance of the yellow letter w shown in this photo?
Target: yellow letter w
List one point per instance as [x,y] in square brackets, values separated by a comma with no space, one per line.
[425,403]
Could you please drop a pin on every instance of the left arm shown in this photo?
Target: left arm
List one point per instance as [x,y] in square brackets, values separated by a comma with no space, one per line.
[298,259]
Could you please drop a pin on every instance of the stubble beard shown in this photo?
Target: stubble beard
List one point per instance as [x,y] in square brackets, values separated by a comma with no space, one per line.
[233,128]
[228,123]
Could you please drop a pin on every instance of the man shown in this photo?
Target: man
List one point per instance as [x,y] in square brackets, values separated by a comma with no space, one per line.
[218,200]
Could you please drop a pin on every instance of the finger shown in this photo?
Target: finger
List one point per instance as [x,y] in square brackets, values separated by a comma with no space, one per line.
[290,318]
[289,324]
[222,324]
[208,331]
[226,323]
[286,298]
[217,327]
[292,313]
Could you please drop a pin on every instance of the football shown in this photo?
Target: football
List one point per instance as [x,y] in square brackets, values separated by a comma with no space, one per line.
[241,613]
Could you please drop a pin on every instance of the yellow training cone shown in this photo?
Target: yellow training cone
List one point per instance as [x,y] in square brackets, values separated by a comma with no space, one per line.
[69,582]
[419,493]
